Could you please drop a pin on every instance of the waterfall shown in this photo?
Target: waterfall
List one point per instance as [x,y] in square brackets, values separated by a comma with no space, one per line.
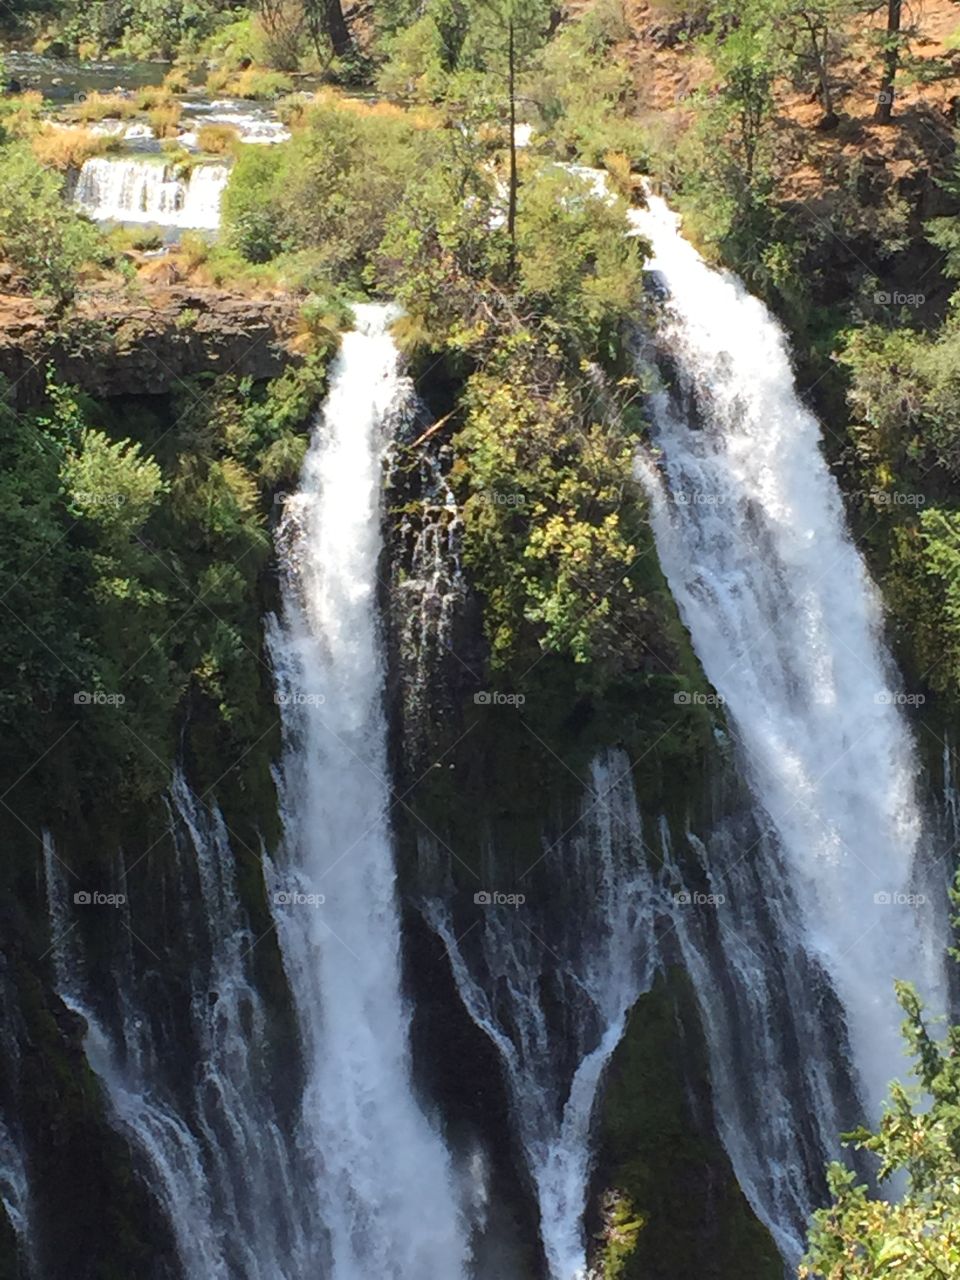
[551,984]
[15,1187]
[787,625]
[217,1161]
[134,190]
[769,1018]
[382,1174]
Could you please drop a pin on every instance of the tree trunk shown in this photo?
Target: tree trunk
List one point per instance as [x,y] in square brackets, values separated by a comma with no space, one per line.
[337,29]
[512,203]
[820,54]
[891,60]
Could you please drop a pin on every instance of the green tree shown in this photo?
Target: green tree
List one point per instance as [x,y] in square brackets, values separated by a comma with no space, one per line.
[915,1236]
[39,232]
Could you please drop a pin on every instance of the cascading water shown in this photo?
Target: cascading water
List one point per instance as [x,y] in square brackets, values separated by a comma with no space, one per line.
[217,1161]
[771,1022]
[381,1173]
[552,988]
[133,190]
[15,1187]
[750,530]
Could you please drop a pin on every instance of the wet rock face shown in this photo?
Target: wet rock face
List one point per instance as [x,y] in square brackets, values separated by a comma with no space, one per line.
[109,346]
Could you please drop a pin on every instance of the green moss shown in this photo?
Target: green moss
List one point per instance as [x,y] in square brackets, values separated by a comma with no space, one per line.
[660,1167]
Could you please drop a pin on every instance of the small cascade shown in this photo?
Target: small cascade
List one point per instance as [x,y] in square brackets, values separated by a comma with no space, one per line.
[750,530]
[15,1187]
[772,1024]
[125,189]
[217,1161]
[381,1174]
[551,985]
[429,597]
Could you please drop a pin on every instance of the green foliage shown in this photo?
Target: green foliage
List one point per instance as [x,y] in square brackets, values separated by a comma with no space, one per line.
[583,88]
[554,531]
[331,190]
[110,483]
[132,548]
[39,233]
[252,221]
[905,395]
[142,28]
[918,1234]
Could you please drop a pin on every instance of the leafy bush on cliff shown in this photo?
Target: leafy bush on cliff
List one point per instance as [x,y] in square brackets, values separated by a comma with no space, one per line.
[135,541]
[859,1237]
[39,233]
[330,190]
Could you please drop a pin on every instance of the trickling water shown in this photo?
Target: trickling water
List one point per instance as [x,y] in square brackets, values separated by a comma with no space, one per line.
[382,1174]
[130,190]
[217,1161]
[551,985]
[772,1027]
[14,1186]
[750,530]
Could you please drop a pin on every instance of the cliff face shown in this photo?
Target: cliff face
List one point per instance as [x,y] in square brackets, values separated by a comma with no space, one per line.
[144,344]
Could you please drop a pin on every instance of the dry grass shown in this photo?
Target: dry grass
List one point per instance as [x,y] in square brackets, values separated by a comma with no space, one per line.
[165,119]
[152,96]
[418,117]
[68,148]
[102,106]
[622,178]
[217,139]
[176,81]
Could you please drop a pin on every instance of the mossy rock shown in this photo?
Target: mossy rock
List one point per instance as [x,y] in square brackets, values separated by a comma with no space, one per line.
[671,1206]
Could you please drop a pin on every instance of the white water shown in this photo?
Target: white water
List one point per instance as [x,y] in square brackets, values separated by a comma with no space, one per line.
[253,125]
[593,948]
[124,189]
[751,534]
[382,1175]
[15,1186]
[218,1162]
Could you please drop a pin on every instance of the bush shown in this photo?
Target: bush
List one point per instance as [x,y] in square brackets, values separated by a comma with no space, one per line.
[255,83]
[251,213]
[217,139]
[65,149]
[102,106]
[330,190]
[39,233]
[165,119]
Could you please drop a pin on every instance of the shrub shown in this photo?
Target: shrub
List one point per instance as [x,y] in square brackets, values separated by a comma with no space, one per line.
[65,149]
[39,233]
[102,106]
[255,83]
[165,119]
[251,213]
[217,139]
